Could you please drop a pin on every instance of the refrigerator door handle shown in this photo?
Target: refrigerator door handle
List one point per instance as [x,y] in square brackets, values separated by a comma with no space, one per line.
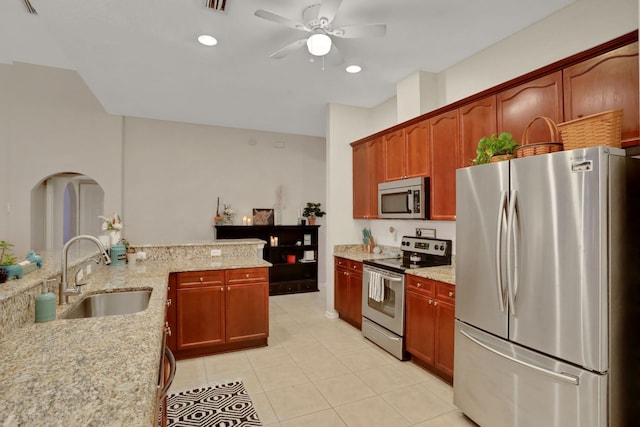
[511,235]
[501,221]
[559,376]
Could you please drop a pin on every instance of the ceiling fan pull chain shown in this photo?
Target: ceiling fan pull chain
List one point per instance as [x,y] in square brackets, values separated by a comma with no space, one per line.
[30,8]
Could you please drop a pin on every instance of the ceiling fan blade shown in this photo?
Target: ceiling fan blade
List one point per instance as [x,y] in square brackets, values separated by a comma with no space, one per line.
[359,31]
[288,49]
[273,17]
[29,7]
[328,9]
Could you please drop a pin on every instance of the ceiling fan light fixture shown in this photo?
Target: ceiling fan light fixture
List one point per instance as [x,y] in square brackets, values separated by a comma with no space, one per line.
[319,44]
[353,69]
[207,40]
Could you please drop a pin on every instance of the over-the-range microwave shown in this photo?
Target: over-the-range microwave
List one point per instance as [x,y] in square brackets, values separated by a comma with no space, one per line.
[404,199]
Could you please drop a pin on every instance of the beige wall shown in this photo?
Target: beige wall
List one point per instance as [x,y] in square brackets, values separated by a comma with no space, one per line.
[56,125]
[163,177]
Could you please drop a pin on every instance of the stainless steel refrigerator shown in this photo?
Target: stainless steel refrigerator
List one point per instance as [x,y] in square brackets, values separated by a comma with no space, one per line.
[547,290]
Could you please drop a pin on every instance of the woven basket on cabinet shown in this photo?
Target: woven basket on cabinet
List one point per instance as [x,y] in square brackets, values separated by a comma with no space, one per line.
[597,129]
[527,149]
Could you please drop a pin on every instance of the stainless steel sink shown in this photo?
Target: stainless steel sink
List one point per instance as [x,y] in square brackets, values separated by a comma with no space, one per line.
[110,304]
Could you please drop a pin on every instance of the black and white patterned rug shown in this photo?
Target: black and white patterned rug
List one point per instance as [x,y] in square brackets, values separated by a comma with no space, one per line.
[222,405]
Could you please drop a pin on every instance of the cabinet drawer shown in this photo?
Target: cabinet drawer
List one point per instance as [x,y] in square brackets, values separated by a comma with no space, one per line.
[200,278]
[355,266]
[341,262]
[445,292]
[247,275]
[420,285]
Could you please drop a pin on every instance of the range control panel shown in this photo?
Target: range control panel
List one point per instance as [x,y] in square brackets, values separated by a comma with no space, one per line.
[425,245]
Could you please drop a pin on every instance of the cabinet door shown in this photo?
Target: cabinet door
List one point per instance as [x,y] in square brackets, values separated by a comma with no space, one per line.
[355,298]
[419,334]
[361,193]
[443,138]
[200,316]
[341,283]
[394,154]
[444,337]
[172,302]
[519,105]
[417,147]
[247,311]
[368,171]
[606,82]
[477,120]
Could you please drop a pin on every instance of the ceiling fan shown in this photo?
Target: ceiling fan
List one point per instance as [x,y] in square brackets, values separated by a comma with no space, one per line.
[317,19]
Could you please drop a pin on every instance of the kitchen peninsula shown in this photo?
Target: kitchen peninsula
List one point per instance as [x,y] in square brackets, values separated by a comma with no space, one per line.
[101,370]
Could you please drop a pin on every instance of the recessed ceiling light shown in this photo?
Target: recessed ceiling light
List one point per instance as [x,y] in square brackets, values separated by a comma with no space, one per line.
[207,40]
[353,69]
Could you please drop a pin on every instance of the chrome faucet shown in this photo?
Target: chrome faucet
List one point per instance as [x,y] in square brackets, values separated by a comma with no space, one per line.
[65,291]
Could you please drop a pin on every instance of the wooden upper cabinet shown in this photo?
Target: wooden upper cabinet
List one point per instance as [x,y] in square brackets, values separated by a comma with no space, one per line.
[606,82]
[395,153]
[444,139]
[517,106]
[406,152]
[477,120]
[368,170]
[417,149]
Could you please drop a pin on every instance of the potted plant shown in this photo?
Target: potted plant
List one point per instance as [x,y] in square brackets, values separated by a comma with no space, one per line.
[7,261]
[130,250]
[312,211]
[495,148]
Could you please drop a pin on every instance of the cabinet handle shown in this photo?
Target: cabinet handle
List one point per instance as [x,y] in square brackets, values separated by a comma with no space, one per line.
[228,288]
[430,301]
[247,275]
[435,303]
[222,289]
[169,302]
[167,328]
[450,294]
[202,279]
[419,284]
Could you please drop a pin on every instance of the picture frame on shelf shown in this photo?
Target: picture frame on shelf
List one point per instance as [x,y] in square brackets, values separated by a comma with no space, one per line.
[263,216]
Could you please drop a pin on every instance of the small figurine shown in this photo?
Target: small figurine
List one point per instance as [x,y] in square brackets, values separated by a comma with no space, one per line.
[31,256]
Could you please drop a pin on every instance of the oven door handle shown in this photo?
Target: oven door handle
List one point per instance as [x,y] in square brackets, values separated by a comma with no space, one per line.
[392,279]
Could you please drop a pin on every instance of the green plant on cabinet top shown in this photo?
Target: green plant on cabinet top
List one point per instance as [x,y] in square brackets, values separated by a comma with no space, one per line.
[494,145]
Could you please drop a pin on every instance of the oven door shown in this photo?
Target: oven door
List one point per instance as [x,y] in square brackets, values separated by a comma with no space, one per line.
[389,312]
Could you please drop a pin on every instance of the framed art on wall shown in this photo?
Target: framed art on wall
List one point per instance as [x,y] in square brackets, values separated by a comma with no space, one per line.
[262,216]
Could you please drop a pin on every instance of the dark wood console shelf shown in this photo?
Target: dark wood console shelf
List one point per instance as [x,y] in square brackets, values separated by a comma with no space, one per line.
[284,277]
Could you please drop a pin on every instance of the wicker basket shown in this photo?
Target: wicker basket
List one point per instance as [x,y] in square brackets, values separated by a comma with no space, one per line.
[597,129]
[527,149]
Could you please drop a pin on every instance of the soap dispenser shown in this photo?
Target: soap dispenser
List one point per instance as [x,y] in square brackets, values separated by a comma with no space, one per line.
[46,303]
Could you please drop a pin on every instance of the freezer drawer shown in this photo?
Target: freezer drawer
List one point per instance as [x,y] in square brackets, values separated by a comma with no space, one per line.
[497,383]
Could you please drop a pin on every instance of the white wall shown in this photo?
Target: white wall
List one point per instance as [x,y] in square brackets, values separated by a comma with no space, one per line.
[174,172]
[578,27]
[5,102]
[56,125]
[163,177]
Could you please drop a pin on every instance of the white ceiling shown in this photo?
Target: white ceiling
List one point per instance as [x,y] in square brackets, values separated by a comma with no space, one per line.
[140,57]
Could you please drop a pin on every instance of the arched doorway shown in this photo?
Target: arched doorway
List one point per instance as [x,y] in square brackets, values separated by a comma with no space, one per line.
[65,205]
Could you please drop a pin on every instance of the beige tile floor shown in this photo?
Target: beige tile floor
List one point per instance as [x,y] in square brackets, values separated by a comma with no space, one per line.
[318,371]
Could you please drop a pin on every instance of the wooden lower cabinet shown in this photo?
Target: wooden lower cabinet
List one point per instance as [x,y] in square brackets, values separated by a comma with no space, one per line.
[220,310]
[429,332]
[348,290]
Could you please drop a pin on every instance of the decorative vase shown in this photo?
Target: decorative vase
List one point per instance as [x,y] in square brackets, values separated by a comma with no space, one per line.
[311,220]
[114,236]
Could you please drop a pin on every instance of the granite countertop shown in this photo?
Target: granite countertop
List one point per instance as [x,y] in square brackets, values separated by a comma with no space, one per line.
[96,371]
[444,273]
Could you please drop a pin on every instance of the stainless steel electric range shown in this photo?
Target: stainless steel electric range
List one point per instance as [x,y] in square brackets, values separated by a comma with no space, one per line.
[383,290]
